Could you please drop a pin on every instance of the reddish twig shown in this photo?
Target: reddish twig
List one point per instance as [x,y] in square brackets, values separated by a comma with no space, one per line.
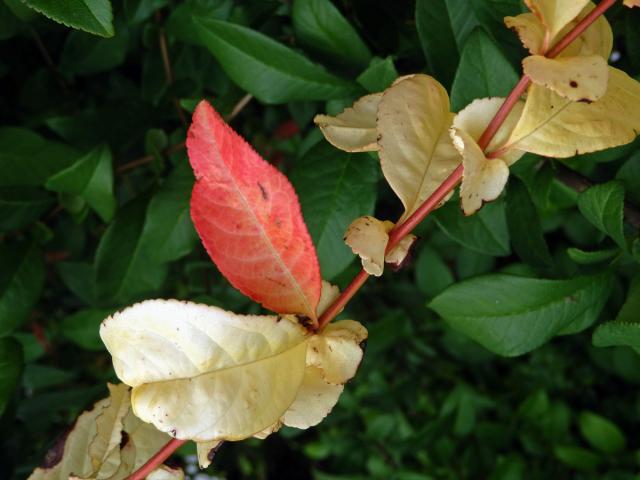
[157,460]
[427,207]
[450,183]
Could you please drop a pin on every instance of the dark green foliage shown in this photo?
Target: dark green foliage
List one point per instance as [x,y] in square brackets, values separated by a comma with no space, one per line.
[94,215]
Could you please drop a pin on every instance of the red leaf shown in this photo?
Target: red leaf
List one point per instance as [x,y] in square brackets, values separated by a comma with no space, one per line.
[248,217]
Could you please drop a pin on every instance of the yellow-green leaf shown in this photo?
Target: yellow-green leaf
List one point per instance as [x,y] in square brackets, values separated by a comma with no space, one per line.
[557,127]
[416,152]
[581,78]
[202,373]
[556,14]
[353,130]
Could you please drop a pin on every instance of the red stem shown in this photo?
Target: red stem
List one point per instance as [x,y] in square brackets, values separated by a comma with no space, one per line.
[427,207]
[157,460]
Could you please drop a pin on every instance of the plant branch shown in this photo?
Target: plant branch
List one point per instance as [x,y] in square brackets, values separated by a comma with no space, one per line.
[157,460]
[452,180]
[430,203]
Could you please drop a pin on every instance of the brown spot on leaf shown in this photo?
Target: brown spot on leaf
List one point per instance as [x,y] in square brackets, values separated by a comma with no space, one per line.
[573,84]
[263,192]
[585,100]
[124,439]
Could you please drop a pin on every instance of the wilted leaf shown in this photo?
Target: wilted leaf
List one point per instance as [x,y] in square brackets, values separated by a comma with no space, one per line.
[557,127]
[327,296]
[398,254]
[353,130]
[204,374]
[368,237]
[483,179]
[416,152]
[581,78]
[107,442]
[595,40]
[556,14]
[631,3]
[206,451]
[248,217]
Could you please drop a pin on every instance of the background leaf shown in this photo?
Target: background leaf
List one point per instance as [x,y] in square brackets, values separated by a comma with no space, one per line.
[11,359]
[603,205]
[334,188]
[493,312]
[93,16]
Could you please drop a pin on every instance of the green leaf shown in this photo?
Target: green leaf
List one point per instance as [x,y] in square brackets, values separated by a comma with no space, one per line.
[320,26]
[123,267]
[625,329]
[91,178]
[583,257]
[484,71]
[433,275]
[83,328]
[9,23]
[463,20]
[21,281]
[629,175]
[93,16]
[486,232]
[80,279]
[21,206]
[168,232]
[28,159]
[181,23]
[39,377]
[601,433]
[603,206]
[334,188]
[512,315]
[265,68]
[85,54]
[437,40]
[577,457]
[11,360]
[525,229]
[380,74]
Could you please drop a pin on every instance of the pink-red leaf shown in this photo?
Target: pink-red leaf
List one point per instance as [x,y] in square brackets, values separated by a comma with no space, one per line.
[248,217]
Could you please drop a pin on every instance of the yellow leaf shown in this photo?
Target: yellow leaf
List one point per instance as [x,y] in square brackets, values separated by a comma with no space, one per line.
[575,78]
[333,358]
[206,452]
[368,237]
[336,351]
[557,127]
[104,449]
[483,179]
[530,30]
[166,473]
[399,253]
[556,14]
[416,153]
[328,295]
[475,117]
[595,40]
[632,3]
[205,374]
[353,130]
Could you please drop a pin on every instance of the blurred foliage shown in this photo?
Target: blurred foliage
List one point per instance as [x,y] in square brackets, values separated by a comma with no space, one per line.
[94,191]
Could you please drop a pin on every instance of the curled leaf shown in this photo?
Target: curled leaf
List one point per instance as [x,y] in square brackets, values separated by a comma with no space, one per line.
[581,78]
[368,237]
[533,33]
[416,153]
[202,373]
[248,217]
[398,254]
[483,179]
[206,451]
[556,14]
[328,295]
[554,126]
[475,117]
[107,442]
[353,130]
